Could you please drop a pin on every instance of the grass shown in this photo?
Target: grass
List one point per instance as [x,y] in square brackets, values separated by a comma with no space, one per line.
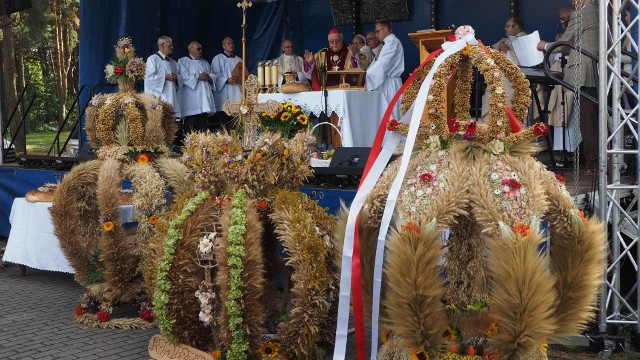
[39,143]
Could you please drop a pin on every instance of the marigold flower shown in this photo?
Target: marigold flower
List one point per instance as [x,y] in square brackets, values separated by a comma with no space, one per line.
[217,354]
[153,219]
[142,158]
[108,225]
[285,152]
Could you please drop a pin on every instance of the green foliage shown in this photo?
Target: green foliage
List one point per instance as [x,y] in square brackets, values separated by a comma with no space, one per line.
[96,272]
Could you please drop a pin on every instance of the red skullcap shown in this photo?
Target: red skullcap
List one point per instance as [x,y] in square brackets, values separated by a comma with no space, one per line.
[334,31]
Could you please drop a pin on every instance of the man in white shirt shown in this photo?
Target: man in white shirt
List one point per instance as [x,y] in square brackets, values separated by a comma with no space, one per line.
[196,96]
[384,74]
[373,43]
[289,62]
[161,77]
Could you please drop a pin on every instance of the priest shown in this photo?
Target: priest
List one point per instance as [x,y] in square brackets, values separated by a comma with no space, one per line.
[228,85]
[196,97]
[289,62]
[335,57]
[384,74]
[161,77]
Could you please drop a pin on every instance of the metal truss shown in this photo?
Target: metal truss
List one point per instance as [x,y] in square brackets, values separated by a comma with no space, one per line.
[620,292]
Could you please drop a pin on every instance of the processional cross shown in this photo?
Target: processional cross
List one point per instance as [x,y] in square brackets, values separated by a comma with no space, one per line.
[248,108]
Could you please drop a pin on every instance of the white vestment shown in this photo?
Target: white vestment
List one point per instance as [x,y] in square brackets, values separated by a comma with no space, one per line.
[196,96]
[291,63]
[221,67]
[376,50]
[384,74]
[155,83]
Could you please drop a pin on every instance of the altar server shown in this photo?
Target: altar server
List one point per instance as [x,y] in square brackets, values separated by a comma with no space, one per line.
[228,86]
[161,77]
[384,74]
[196,97]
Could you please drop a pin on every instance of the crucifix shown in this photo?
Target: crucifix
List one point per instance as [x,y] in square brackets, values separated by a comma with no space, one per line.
[248,108]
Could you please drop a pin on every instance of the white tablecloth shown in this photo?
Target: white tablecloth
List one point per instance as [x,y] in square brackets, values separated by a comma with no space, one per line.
[359,112]
[31,240]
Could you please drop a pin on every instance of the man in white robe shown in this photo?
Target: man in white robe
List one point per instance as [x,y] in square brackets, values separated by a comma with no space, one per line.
[227,86]
[161,77]
[289,62]
[196,96]
[384,74]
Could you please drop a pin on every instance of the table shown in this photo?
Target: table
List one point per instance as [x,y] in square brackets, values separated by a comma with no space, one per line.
[31,240]
[359,112]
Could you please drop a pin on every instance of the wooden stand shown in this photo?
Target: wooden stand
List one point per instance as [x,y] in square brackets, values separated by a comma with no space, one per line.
[427,42]
[356,77]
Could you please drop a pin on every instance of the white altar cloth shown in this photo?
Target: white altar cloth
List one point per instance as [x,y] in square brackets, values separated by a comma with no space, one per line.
[31,240]
[359,112]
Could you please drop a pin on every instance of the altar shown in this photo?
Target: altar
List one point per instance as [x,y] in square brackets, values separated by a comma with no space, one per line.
[359,112]
[32,242]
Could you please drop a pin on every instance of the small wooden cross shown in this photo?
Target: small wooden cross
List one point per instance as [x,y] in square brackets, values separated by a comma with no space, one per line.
[248,108]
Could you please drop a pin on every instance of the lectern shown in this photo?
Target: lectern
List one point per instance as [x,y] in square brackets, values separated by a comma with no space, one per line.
[427,42]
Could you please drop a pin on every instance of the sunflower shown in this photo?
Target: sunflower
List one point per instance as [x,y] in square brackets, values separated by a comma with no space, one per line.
[217,354]
[285,116]
[419,354]
[108,225]
[303,119]
[289,106]
[269,350]
[296,109]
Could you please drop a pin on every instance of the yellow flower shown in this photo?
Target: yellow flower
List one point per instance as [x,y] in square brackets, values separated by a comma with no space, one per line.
[303,119]
[544,346]
[419,354]
[285,152]
[285,116]
[296,109]
[258,155]
[264,114]
[108,225]
[153,219]
[142,159]
[269,350]
[289,106]
[217,354]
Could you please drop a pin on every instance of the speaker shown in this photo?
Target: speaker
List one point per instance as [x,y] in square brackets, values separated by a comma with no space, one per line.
[346,161]
[11,6]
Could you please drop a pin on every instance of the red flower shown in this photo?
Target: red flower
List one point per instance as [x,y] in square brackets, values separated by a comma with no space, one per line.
[103,316]
[278,116]
[146,315]
[262,204]
[561,178]
[392,124]
[514,184]
[521,229]
[411,227]
[144,158]
[451,38]
[118,70]
[454,125]
[540,129]
[426,177]
[470,126]
[79,310]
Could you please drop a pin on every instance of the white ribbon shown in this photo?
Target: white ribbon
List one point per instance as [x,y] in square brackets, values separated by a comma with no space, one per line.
[450,48]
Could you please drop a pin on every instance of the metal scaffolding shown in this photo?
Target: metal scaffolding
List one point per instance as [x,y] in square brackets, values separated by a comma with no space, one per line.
[619,208]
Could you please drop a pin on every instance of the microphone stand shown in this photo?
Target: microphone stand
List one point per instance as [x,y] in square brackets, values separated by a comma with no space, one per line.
[324,116]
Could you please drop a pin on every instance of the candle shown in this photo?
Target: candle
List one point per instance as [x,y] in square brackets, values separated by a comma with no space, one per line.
[267,76]
[274,74]
[261,75]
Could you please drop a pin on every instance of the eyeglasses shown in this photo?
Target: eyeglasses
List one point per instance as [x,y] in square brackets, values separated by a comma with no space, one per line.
[370,39]
[334,41]
[169,45]
[378,30]
[509,26]
[288,47]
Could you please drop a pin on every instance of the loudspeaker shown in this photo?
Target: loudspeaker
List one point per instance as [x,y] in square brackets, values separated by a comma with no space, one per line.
[11,6]
[346,161]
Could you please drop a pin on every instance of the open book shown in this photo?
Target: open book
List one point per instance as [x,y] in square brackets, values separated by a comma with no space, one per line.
[525,49]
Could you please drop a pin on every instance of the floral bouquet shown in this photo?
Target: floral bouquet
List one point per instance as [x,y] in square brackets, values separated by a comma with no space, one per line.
[125,67]
[288,121]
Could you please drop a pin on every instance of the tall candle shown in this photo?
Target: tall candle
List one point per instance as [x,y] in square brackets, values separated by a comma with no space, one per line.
[261,75]
[274,74]
[267,76]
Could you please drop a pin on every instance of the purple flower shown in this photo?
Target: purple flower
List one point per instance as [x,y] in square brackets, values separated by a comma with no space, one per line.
[468,135]
[152,106]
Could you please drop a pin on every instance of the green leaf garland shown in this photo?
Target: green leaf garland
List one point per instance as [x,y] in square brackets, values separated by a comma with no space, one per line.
[236,251]
[161,297]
